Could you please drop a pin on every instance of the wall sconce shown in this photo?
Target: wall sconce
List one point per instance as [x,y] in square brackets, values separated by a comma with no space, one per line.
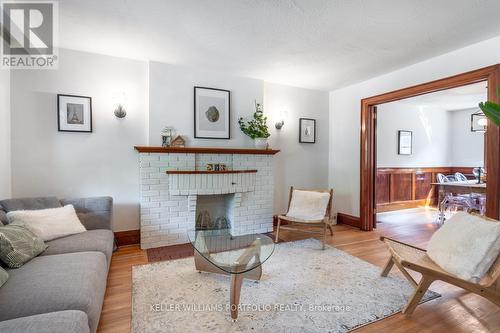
[120,112]
[478,122]
[119,98]
[280,123]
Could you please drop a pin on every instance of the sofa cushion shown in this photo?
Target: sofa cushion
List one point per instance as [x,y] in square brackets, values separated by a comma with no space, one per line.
[92,240]
[18,245]
[4,276]
[10,205]
[466,246]
[54,322]
[50,223]
[72,281]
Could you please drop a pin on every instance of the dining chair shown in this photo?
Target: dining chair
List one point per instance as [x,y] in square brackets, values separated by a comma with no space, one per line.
[460,177]
[450,200]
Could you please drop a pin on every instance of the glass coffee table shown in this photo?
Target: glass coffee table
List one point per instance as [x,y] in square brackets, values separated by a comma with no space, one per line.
[241,257]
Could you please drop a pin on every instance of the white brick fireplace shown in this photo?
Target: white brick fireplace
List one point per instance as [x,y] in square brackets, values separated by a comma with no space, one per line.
[173,178]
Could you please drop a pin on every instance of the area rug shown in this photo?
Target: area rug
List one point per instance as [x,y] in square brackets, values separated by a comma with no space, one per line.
[303,289]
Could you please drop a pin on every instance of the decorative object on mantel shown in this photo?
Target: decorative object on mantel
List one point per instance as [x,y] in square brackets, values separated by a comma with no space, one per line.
[257,127]
[74,113]
[178,142]
[405,142]
[212,113]
[216,167]
[166,136]
[307,130]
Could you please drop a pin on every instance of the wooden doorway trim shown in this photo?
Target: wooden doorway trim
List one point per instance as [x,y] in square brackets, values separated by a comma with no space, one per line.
[368,161]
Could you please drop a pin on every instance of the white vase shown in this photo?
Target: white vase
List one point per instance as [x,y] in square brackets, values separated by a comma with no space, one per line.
[260,143]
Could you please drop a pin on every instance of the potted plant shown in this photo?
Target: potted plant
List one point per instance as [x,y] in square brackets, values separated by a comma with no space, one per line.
[491,110]
[256,128]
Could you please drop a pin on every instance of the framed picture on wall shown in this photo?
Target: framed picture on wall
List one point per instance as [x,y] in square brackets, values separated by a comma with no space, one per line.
[212,113]
[307,130]
[405,142]
[74,113]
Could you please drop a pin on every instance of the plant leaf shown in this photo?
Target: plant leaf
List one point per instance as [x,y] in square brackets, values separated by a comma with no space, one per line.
[491,110]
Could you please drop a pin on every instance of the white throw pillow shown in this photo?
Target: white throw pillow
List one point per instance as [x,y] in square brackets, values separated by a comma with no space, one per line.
[466,246]
[48,224]
[308,205]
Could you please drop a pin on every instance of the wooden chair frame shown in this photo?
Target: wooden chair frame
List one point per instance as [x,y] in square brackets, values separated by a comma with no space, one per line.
[406,256]
[324,223]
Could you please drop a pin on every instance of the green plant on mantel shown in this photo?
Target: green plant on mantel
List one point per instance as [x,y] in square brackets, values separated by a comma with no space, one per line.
[256,127]
[491,109]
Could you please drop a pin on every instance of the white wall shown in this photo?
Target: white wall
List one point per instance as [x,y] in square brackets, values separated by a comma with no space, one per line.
[345,111]
[48,162]
[467,147]
[298,164]
[171,102]
[306,165]
[431,135]
[5,141]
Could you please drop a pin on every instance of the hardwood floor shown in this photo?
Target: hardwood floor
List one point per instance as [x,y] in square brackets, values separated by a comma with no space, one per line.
[455,311]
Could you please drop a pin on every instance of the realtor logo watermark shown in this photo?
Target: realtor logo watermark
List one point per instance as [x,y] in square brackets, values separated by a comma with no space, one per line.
[29,34]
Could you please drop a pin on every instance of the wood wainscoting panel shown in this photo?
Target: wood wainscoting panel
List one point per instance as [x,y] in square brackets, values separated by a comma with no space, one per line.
[129,237]
[423,188]
[349,220]
[382,187]
[401,187]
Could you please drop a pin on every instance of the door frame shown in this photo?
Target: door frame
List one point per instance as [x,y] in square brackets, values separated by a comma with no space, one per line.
[368,161]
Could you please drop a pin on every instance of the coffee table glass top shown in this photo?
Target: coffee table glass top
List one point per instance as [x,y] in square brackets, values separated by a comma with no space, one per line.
[232,254]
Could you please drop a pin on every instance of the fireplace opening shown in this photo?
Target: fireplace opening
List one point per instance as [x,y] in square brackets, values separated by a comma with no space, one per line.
[214,211]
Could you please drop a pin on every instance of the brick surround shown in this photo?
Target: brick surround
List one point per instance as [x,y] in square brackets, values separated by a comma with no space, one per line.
[168,202]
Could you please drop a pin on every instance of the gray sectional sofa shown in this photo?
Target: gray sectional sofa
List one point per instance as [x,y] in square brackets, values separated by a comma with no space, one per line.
[62,289]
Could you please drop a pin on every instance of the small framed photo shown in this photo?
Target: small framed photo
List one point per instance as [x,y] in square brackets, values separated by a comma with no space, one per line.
[405,142]
[307,130]
[212,113]
[74,113]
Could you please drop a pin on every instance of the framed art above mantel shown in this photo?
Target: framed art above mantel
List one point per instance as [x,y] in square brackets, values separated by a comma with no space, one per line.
[212,113]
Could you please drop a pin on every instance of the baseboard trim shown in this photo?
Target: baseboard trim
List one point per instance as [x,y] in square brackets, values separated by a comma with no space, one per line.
[349,220]
[129,237]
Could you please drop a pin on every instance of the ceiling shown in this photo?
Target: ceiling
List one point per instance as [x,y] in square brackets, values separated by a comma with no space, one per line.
[456,99]
[319,44]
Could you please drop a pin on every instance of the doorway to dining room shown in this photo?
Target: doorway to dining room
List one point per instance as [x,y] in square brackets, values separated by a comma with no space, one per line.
[430,155]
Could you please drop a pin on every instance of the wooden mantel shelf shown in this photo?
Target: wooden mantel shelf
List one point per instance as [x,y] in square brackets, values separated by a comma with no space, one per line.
[194,172]
[204,150]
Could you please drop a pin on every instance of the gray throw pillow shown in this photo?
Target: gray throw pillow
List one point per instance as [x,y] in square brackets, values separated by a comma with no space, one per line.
[4,276]
[18,245]
[3,216]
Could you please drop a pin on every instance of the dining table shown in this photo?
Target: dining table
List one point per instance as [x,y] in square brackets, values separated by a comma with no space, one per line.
[457,188]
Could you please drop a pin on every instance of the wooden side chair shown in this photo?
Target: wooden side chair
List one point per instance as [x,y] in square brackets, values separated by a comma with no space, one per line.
[406,256]
[324,222]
